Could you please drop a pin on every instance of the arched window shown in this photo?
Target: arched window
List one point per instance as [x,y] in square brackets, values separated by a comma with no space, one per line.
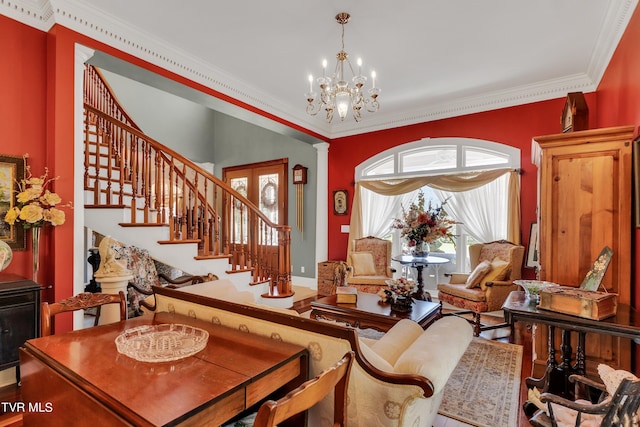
[484,210]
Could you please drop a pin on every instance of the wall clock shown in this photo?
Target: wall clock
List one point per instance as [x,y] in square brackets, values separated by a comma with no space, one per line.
[575,114]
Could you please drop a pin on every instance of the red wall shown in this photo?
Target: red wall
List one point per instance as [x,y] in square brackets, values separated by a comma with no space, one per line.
[515,126]
[23,83]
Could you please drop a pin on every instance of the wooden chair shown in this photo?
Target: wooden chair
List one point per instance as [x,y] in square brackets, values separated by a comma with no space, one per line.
[620,409]
[505,266]
[308,394]
[369,264]
[80,302]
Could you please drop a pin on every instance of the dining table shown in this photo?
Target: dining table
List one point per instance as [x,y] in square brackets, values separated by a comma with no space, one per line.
[81,378]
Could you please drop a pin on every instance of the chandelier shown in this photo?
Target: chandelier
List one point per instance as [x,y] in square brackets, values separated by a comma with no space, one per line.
[336,93]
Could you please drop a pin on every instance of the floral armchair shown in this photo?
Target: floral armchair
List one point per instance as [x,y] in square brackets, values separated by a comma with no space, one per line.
[369,264]
[495,266]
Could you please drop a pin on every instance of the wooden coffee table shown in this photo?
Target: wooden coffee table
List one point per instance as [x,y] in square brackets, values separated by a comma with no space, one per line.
[370,312]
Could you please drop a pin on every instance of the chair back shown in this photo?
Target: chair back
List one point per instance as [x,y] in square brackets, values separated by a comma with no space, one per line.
[624,404]
[380,250]
[502,249]
[80,302]
[308,394]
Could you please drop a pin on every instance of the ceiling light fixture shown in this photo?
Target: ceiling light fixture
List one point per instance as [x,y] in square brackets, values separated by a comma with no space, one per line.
[336,93]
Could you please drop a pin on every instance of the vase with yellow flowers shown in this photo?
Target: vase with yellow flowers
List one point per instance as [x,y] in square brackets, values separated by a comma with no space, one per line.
[35,208]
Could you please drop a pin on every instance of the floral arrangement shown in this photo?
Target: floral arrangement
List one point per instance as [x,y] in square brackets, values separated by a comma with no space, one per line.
[424,225]
[35,205]
[398,289]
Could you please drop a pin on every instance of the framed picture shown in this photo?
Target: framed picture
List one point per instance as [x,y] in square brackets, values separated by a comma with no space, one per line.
[532,250]
[594,277]
[340,202]
[11,172]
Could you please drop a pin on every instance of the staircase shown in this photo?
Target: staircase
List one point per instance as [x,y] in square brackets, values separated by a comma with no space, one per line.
[144,194]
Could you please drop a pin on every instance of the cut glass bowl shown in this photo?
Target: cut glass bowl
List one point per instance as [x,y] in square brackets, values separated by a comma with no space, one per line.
[532,287]
[161,343]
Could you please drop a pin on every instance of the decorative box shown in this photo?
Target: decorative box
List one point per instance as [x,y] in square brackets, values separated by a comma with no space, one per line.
[579,302]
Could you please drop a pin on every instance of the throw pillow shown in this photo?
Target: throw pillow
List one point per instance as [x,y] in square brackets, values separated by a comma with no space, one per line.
[477,274]
[362,263]
[611,378]
[499,271]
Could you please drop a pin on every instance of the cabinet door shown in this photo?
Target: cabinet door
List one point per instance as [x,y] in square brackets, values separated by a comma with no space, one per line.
[17,324]
[585,204]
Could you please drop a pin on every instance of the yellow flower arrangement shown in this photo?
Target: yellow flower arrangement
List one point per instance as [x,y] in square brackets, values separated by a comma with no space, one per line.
[35,203]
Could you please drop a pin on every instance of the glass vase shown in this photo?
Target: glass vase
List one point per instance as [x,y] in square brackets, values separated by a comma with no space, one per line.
[421,249]
[35,249]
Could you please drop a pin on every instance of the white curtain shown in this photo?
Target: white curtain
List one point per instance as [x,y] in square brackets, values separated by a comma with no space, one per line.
[379,211]
[482,211]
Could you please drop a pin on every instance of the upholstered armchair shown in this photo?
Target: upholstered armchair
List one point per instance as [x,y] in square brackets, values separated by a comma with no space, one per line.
[369,264]
[495,266]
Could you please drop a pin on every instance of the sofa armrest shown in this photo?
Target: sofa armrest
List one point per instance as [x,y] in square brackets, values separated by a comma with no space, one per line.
[457,278]
[435,354]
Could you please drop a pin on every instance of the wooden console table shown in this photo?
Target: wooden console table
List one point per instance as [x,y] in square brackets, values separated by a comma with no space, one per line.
[368,312]
[626,324]
[87,379]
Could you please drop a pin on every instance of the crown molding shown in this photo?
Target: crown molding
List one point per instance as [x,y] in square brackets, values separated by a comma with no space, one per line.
[77,16]
[34,13]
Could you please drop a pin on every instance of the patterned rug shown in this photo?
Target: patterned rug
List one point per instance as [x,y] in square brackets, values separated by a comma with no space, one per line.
[484,388]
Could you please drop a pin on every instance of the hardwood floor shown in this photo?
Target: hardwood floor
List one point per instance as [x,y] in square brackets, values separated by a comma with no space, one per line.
[522,336]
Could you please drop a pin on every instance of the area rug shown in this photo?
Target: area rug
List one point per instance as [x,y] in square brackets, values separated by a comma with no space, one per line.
[484,388]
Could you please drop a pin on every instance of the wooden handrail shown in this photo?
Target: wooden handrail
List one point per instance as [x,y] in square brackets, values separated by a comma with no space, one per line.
[126,168]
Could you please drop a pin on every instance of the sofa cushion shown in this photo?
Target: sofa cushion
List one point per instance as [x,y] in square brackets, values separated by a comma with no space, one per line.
[436,352]
[397,339]
[374,358]
[362,263]
[477,274]
[473,294]
[499,271]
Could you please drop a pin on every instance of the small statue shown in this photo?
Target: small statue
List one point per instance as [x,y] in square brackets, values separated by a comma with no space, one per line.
[113,263]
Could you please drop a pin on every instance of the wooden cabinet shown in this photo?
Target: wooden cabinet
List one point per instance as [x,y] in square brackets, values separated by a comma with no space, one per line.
[19,316]
[327,277]
[585,204]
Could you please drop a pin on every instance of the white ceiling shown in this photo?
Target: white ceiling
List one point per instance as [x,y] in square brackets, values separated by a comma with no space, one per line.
[434,58]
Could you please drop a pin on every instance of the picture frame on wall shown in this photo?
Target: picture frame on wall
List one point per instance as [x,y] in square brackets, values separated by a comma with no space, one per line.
[340,202]
[11,173]
[533,261]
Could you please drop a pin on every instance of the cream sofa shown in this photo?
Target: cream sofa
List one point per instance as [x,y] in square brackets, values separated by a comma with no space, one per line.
[396,381]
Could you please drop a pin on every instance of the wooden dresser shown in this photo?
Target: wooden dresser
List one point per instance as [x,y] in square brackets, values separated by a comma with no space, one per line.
[19,317]
[585,204]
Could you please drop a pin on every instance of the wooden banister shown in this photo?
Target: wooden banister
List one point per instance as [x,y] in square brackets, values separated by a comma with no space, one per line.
[123,167]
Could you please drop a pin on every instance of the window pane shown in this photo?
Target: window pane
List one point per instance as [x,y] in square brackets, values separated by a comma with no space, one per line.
[240,229]
[434,158]
[479,157]
[382,167]
[268,196]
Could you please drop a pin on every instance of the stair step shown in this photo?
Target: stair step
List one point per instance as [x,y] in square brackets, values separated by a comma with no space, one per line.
[222,256]
[178,242]
[105,206]
[242,270]
[142,224]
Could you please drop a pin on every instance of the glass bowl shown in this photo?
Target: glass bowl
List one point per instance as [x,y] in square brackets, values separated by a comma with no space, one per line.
[532,287]
[161,343]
